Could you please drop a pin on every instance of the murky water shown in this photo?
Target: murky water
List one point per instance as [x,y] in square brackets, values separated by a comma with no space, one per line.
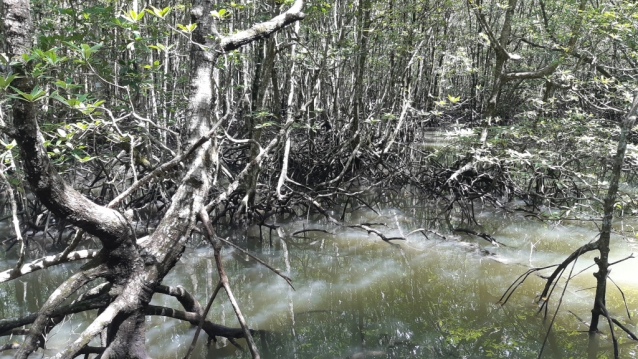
[357,296]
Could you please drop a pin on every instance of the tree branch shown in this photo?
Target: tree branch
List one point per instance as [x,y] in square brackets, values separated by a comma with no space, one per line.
[264,29]
[82,306]
[185,298]
[577,253]
[61,293]
[210,328]
[46,262]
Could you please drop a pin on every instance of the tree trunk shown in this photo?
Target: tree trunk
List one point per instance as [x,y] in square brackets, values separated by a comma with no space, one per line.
[605,232]
[133,269]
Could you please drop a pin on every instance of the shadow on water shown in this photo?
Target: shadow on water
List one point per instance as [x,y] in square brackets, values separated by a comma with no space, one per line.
[358,297]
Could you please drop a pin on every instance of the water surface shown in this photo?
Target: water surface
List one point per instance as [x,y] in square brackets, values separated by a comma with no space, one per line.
[357,296]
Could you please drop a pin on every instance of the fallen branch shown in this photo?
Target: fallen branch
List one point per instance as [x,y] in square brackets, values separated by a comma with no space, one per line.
[517,283]
[623,296]
[339,223]
[611,329]
[632,335]
[485,236]
[559,269]
[312,230]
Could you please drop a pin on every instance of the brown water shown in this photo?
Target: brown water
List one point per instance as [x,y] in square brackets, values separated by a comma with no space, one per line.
[356,295]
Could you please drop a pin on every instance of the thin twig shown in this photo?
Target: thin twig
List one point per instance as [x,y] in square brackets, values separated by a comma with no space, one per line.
[560,301]
[623,296]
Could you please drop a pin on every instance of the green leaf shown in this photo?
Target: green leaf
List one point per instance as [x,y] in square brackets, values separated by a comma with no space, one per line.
[52,58]
[158,47]
[220,14]
[81,126]
[62,84]
[84,159]
[188,28]
[161,13]
[9,146]
[36,94]
[6,81]
[86,51]
[133,16]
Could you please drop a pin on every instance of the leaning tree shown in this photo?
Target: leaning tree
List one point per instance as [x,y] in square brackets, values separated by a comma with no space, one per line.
[132,269]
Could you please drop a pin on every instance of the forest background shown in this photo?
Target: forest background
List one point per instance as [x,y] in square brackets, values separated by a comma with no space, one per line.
[212,115]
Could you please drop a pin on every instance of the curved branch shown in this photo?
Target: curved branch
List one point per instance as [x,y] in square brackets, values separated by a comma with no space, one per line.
[82,306]
[184,297]
[537,74]
[163,168]
[264,29]
[95,328]
[210,328]
[135,294]
[496,44]
[249,166]
[561,267]
[16,223]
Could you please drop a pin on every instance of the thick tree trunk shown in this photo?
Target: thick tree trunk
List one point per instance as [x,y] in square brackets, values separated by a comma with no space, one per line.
[134,270]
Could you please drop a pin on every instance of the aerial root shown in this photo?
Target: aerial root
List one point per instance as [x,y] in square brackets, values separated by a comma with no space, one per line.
[223,283]
[212,329]
[184,297]
[41,322]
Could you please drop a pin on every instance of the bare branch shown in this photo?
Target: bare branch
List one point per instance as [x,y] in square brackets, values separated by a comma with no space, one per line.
[185,298]
[210,328]
[264,29]
[577,253]
[46,262]
[223,280]
[81,306]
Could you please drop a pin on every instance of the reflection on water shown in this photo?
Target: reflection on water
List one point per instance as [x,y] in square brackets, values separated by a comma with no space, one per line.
[358,297]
